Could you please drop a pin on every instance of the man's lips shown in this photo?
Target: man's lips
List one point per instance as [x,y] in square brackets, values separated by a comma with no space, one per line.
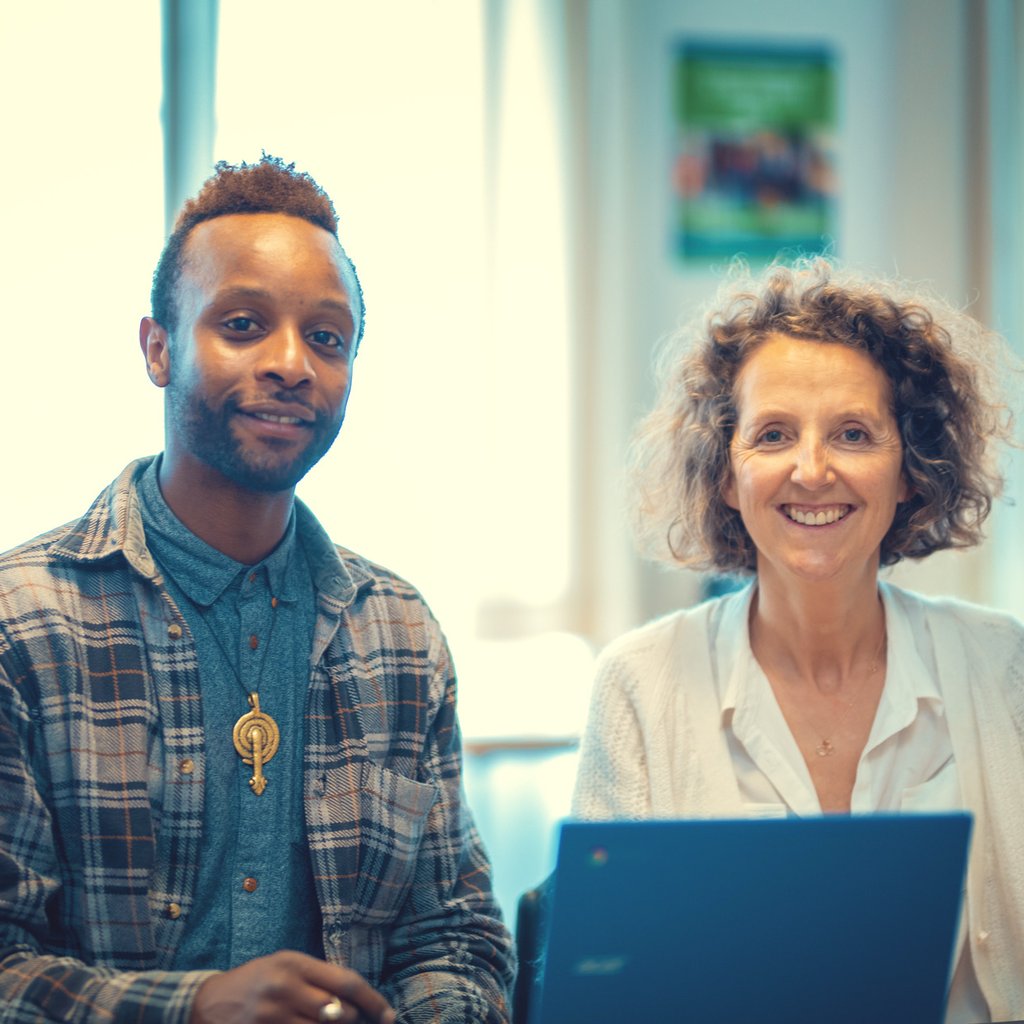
[278,422]
[281,413]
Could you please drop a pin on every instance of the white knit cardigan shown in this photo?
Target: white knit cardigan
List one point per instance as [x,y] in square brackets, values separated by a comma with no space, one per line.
[654,747]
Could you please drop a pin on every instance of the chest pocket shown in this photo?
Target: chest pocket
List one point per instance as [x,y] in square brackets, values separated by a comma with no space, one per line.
[366,828]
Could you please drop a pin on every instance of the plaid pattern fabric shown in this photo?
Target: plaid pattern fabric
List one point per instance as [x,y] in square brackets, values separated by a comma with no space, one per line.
[101,745]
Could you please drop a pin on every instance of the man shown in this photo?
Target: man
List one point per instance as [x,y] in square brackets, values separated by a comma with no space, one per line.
[230,772]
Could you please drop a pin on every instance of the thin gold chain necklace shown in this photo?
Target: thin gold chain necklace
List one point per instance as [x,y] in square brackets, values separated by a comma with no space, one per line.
[826,748]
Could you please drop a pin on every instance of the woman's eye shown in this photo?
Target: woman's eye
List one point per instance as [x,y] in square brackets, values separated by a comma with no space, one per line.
[854,435]
[771,436]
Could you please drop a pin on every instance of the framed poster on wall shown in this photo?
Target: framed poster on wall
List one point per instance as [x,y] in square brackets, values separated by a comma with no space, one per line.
[754,170]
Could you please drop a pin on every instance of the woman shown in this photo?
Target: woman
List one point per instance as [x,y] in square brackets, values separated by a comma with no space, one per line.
[815,429]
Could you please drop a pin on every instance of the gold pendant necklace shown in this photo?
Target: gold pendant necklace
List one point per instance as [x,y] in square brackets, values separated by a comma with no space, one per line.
[256,737]
[826,748]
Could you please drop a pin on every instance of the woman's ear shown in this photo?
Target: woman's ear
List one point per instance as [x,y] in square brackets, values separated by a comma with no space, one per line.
[906,489]
[729,495]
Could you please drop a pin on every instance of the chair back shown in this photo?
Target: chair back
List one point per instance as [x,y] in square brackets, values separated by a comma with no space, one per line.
[529,948]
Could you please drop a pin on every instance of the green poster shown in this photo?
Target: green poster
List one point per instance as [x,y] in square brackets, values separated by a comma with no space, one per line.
[754,171]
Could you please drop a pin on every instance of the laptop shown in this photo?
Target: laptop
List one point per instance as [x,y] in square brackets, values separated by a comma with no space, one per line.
[845,919]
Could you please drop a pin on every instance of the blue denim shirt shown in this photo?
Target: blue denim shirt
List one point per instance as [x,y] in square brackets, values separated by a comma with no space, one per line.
[255,880]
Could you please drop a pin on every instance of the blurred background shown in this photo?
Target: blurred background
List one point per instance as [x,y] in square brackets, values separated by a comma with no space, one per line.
[534,192]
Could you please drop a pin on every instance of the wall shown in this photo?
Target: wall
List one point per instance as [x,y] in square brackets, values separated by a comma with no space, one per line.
[903,168]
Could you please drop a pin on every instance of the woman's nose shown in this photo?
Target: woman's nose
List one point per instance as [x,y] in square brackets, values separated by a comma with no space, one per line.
[813,468]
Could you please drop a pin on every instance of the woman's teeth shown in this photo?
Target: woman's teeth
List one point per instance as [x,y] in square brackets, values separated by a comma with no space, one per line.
[820,518]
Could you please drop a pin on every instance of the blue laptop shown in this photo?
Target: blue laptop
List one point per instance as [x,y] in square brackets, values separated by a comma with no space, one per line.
[845,919]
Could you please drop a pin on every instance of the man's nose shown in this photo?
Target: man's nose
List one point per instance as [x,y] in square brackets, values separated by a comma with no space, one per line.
[284,358]
[813,468]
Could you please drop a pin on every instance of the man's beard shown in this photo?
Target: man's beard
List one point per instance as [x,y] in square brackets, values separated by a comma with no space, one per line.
[209,435]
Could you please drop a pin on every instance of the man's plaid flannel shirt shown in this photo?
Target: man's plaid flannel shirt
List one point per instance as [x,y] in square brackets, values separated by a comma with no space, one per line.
[99,713]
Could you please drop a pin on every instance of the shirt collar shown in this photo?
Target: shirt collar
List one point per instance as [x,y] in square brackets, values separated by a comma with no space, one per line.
[112,528]
[732,650]
[907,677]
[910,687]
[903,660]
[203,572]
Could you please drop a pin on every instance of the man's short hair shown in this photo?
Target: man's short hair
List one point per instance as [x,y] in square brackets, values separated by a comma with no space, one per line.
[269,186]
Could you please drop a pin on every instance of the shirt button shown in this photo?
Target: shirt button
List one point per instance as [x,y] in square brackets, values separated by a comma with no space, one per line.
[254,641]
[173,911]
[174,631]
[983,936]
[186,766]
[252,577]
[273,602]
[250,884]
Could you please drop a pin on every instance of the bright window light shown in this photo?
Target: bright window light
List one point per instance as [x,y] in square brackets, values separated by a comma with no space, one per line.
[82,210]
[452,467]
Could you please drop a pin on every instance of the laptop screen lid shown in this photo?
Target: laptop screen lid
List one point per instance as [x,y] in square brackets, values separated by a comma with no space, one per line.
[849,919]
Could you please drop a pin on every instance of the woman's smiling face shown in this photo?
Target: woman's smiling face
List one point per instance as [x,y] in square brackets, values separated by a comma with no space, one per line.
[816,459]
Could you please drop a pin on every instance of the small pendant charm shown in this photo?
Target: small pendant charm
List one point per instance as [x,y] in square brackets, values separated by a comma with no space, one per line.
[256,739]
[825,748]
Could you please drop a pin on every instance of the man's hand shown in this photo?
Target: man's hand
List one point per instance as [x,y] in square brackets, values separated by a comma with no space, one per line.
[287,988]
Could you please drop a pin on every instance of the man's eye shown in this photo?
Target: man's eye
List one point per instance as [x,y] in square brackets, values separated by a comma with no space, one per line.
[240,324]
[328,339]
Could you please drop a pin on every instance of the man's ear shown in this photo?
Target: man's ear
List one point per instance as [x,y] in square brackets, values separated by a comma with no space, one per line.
[153,342]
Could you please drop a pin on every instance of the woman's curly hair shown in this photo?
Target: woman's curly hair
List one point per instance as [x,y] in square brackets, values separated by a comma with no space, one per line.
[942,367]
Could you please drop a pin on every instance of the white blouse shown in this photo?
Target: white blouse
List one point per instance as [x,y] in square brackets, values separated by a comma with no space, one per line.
[907,764]
[683,723]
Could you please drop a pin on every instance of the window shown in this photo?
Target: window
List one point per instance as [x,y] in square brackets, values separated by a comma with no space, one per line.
[83,225]
[453,467]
